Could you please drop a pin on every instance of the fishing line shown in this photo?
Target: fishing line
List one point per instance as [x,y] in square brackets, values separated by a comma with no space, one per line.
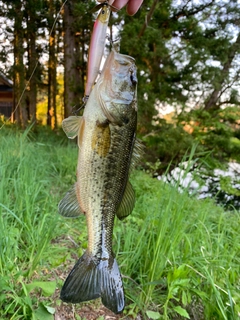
[34,69]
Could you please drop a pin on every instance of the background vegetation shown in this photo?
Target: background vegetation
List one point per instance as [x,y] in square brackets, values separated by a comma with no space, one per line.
[179,256]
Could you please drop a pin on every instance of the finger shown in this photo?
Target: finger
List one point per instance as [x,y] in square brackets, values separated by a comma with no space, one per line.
[119,3]
[133,6]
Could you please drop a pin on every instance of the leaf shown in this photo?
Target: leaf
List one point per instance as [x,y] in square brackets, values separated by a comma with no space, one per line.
[50,309]
[42,312]
[184,298]
[182,312]
[4,284]
[153,315]
[48,287]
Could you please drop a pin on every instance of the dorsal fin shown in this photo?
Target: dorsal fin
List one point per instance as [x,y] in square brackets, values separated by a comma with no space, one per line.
[138,151]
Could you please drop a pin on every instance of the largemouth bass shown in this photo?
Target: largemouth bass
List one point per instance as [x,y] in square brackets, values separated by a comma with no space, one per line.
[106,138]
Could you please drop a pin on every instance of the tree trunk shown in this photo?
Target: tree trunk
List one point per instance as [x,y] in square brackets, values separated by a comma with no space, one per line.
[211,102]
[73,82]
[52,74]
[68,59]
[19,74]
[148,18]
[32,74]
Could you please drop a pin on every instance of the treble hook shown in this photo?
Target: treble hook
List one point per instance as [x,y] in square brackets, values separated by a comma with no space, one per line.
[84,99]
[100,5]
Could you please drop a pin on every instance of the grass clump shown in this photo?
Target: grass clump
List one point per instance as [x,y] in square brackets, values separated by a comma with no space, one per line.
[29,194]
[179,256]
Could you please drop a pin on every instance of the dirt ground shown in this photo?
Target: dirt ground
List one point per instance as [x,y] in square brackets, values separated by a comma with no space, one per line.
[68,312]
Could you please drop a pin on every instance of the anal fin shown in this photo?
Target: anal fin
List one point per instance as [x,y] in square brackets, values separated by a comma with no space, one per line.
[127,204]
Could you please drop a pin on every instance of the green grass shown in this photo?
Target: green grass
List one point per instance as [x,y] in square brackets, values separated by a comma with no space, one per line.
[180,257]
[182,253]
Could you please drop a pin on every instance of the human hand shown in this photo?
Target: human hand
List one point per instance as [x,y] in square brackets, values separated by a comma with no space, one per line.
[132,5]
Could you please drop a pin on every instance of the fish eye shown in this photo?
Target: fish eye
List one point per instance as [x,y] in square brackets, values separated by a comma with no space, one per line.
[103,11]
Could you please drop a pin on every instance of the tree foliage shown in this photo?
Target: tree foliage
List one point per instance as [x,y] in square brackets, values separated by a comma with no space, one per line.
[187,54]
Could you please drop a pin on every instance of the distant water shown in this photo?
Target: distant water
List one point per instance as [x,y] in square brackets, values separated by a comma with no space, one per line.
[222,186]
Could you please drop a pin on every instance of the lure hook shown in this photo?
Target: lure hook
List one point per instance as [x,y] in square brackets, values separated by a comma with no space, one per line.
[84,99]
[100,5]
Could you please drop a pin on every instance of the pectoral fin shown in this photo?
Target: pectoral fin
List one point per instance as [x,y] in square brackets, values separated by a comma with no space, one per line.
[72,126]
[69,206]
[127,204]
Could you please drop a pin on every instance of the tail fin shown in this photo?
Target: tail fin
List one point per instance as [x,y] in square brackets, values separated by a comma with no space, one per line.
[91,279]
